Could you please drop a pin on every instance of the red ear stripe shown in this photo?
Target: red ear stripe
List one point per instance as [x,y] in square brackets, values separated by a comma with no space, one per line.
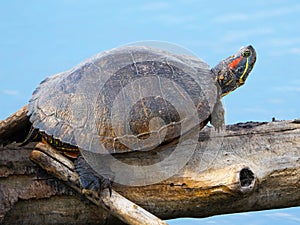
[235,62]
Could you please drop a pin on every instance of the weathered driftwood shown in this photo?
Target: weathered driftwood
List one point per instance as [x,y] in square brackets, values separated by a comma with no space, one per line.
[15,127]
[256,166]
[116,204]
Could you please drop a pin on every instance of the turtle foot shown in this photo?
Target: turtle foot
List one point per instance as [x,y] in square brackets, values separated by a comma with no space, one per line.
[89,179]
[217,116]
[219,125]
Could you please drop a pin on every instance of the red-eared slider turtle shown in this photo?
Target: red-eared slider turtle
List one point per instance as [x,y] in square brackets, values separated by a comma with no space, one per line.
[132,98]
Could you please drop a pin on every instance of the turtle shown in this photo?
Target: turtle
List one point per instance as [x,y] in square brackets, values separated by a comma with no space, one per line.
[131,98]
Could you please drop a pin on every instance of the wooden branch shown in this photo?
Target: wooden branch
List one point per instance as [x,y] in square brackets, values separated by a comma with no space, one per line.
[255,167]
[120,207]
[15,127]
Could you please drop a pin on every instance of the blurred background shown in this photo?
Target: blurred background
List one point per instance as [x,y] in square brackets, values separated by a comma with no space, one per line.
[41,38]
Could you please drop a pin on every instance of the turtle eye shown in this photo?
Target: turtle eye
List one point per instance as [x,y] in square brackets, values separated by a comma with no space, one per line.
[246,53]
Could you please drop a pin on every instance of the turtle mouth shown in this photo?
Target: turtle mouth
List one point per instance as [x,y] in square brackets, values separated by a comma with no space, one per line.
[242,69]
[252,56]
[249,62]
[242,65]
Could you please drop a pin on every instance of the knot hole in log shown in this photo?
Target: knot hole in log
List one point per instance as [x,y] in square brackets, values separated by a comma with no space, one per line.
[247,179]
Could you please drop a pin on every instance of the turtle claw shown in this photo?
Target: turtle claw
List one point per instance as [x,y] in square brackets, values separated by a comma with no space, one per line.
[89,179]
[106,183]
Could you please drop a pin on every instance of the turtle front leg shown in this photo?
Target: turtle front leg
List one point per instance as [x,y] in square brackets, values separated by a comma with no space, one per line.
[89,178]
[217,116]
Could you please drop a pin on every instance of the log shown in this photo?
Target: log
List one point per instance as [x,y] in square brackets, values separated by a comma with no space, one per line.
[15,127]
[255,166]
[63,169]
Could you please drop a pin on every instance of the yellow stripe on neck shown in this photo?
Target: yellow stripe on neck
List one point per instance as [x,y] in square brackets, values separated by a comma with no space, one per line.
[241,81]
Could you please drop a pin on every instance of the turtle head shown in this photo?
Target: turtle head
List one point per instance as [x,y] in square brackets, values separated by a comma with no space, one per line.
[232,72]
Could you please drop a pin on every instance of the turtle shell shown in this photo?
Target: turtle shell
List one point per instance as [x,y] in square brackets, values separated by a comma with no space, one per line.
[126,99]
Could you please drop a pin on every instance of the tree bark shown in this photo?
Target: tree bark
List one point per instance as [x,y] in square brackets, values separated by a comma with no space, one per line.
[253,166]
